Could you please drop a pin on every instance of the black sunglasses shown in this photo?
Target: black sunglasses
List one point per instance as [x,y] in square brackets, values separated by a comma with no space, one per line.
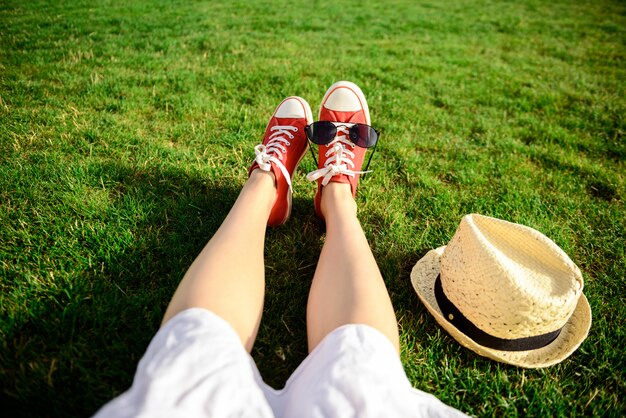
[323,132]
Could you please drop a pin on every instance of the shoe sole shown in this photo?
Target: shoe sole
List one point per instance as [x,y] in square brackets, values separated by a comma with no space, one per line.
[355,89]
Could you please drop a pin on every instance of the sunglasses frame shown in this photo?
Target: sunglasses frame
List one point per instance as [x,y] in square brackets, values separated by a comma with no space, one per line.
[306,130]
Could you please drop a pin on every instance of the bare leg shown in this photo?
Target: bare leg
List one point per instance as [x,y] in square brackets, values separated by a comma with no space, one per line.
[228,277]
[347,287]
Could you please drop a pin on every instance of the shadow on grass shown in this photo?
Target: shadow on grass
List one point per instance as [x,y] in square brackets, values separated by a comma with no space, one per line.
[79,344]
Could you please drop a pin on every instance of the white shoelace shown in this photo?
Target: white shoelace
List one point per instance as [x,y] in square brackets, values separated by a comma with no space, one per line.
[342,158]
[276,147]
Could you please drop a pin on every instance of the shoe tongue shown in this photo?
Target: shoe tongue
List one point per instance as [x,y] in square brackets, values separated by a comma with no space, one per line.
[345,117]
[296,122]
[287,121]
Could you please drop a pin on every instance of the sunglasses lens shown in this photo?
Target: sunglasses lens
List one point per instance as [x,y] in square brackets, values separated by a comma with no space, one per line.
[363,135]
[321,132]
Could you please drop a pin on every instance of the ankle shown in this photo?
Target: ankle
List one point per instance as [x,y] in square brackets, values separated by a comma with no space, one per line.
[337,199]
[262,177]
[264,183]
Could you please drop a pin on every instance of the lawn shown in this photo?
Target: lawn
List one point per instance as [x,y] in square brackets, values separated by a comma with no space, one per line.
[126,130]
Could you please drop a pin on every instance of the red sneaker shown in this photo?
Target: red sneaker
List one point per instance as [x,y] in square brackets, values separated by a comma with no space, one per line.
[340,160]
[284,145]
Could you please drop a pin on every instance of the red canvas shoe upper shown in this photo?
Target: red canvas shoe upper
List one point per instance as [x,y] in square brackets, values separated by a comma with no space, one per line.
[284,145]
[341,160]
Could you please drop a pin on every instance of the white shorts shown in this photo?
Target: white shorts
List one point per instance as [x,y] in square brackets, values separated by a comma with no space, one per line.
[196,366]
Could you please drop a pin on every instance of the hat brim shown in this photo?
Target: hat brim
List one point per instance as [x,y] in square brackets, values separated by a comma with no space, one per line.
[572,335]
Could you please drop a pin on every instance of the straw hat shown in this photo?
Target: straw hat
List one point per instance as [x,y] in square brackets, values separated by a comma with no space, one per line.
[505,291]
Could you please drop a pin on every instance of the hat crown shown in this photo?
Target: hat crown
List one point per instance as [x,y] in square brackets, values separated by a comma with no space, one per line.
[509,280]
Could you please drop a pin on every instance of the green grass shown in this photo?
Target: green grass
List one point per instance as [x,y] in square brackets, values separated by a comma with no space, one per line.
[126,129]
